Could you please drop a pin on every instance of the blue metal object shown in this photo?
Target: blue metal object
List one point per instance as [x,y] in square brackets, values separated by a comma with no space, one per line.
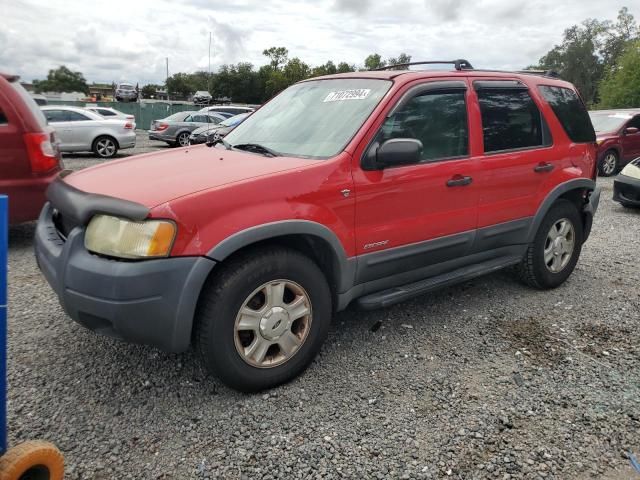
[4,245]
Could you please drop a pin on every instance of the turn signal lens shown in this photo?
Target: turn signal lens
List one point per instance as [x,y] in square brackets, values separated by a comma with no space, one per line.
[118,237]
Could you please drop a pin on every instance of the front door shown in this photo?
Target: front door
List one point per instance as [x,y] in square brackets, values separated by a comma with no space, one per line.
[631,141]
[59,120]
[414,216]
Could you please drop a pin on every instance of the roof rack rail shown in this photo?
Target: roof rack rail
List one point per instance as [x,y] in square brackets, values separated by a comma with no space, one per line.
[459,64]
[544,73]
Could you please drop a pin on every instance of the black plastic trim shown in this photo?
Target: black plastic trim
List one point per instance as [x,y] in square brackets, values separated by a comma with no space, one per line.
[81,206]
[499,85]
[428,87]
[618,195]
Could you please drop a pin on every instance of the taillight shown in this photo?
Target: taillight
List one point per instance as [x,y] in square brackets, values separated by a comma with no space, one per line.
[162,126]
[43,156]
[128,126]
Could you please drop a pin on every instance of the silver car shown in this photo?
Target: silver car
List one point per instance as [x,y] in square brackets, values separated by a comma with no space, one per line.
[176,129]
[232,109]
[112,113]
[80,130]
[126,92]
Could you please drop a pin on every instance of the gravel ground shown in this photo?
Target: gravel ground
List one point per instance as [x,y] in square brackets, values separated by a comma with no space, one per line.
[488,379]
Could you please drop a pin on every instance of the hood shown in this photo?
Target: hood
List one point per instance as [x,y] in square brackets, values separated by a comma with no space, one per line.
[156,178]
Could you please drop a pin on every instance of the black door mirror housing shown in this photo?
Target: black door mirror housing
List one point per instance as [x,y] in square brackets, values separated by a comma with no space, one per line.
[399,151]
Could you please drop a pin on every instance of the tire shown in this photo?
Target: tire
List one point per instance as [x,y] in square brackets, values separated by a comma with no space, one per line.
[35,460]
[609,163]
[105,147]
[225,347]
[182,140]
[534,270]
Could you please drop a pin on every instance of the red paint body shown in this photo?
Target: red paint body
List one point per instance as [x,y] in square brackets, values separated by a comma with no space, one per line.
[214,193]
[626,145]
[18,162]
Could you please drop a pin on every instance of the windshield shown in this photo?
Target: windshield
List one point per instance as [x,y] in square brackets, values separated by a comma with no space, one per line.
[314,119]
[124,86]
[608,122]
[235,120]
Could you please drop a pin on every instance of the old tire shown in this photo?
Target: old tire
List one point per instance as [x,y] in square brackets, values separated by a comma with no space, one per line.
[608,164]
[262,318]
[33,460]
[548,262]
[105,147]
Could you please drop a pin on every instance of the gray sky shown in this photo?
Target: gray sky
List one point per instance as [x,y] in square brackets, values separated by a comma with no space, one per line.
[129,40]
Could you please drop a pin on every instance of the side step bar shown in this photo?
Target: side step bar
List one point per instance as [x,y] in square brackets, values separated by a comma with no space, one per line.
[395,295]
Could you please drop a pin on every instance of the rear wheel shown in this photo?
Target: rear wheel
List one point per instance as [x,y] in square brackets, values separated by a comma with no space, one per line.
[609,163]
[263,318]
[105,147]
[183,139]
[553,255]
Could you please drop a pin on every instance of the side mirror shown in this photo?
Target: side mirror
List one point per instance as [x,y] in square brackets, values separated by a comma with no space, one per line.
[399,151]
[631,131]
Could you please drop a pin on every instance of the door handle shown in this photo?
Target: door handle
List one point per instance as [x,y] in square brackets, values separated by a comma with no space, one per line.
[459,181]
[543,167]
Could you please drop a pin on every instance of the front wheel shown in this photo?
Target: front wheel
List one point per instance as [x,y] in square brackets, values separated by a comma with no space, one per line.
[263,318]
[553,255]
[609,163]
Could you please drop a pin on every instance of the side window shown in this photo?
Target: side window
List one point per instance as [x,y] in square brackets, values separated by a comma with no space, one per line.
[213,119]
[437,119]
[571,113]
[75,116]
[190,118]
[510,120]
[3,118]
[106,113]
[199,119]
[55,115]
[635,122]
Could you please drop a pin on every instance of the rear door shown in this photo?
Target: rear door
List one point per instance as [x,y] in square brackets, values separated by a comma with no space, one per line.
[631,141]
[83,129]
[518,158]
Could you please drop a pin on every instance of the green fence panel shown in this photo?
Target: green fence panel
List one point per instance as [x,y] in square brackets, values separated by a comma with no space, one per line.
[144,112]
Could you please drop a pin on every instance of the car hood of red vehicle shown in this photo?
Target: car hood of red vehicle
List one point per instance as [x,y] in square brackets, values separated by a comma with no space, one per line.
[156,178]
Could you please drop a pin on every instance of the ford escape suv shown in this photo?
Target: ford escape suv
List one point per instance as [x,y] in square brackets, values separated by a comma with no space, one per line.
[366,187]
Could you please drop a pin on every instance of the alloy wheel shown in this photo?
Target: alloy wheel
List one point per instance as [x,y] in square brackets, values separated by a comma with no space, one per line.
[106,147]
[559,245]
[273,324]
[183,139]
[609,164]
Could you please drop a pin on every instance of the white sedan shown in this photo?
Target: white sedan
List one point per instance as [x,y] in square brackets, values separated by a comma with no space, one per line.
[80,130]
[111,113]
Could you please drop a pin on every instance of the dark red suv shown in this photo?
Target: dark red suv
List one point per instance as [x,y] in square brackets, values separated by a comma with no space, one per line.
[29,154]
[366,187]
[618,137]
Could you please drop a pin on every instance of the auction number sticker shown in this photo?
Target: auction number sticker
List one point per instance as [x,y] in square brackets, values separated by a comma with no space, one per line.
[355,94]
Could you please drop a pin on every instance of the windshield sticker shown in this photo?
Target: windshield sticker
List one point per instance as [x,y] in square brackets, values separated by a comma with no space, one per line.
[355,94]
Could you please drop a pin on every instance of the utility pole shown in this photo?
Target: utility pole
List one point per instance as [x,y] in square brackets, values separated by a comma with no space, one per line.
[209,77]
[166,82]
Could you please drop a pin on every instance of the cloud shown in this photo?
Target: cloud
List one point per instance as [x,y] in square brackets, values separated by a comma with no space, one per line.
[446,10]
[353,6]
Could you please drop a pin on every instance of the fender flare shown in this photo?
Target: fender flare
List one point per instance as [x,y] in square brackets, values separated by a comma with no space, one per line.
[575,184]
[344,267]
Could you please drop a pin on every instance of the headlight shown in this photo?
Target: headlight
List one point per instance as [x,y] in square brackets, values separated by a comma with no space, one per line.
[117,237]
[599,142]
[632,171]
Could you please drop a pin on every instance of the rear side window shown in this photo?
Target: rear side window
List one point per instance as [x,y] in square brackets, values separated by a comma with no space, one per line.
[510,120]
[76,117]
[438,120]
[571,112]
[3,118]
[106,113]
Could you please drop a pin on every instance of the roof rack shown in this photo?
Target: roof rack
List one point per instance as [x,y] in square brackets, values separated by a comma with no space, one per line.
[459,64]
[543,73]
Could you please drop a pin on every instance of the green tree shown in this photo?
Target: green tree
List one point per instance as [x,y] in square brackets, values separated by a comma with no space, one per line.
[149,90]
[374,61]
[621,87]
[402,58]
[344,67]
[180,84]
[619,35]
[296,70]
[277,56]
[62,79]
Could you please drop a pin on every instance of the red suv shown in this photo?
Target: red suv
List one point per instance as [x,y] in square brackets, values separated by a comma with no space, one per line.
[618,138]
[29,153]
[367,187]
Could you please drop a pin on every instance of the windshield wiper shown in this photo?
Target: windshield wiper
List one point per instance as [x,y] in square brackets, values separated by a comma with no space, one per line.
[256,148]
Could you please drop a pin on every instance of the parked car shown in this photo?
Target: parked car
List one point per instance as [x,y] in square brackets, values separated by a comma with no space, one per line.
[112,113]
[29,153]
[80,130]
[176,129]
[365,187]
[626,186]
[202,134]
[125,92]
[618,137]
[229,109]
[39,98]
[202,97]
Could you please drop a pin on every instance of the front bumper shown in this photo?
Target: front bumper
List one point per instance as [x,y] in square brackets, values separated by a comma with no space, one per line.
[626,190]
[193,140]
[149,302]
